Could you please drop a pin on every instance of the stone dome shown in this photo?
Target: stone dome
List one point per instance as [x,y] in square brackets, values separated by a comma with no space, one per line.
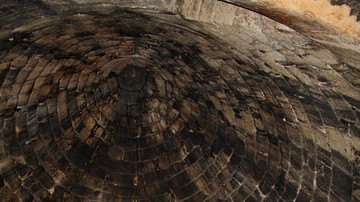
[176,100]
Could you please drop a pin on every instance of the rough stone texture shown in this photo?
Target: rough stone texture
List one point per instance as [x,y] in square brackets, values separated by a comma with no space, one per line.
[354,4]
[330,25]
[104,103]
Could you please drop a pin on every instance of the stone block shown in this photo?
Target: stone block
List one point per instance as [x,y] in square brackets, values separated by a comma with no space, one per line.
[190,9]
[224,13]
[207,11]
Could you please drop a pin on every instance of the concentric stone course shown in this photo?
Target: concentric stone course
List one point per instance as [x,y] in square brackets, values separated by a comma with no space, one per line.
[136,106]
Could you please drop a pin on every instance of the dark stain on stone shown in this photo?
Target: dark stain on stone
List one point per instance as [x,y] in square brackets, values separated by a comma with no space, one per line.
[84,34]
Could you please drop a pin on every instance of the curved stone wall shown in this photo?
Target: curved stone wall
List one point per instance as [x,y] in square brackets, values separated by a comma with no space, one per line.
[177,101]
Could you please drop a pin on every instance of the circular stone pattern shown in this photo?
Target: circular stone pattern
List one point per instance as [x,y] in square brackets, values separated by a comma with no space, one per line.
[132,107]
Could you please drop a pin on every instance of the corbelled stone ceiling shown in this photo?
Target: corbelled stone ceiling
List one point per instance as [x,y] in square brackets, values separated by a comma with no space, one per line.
[179,100]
